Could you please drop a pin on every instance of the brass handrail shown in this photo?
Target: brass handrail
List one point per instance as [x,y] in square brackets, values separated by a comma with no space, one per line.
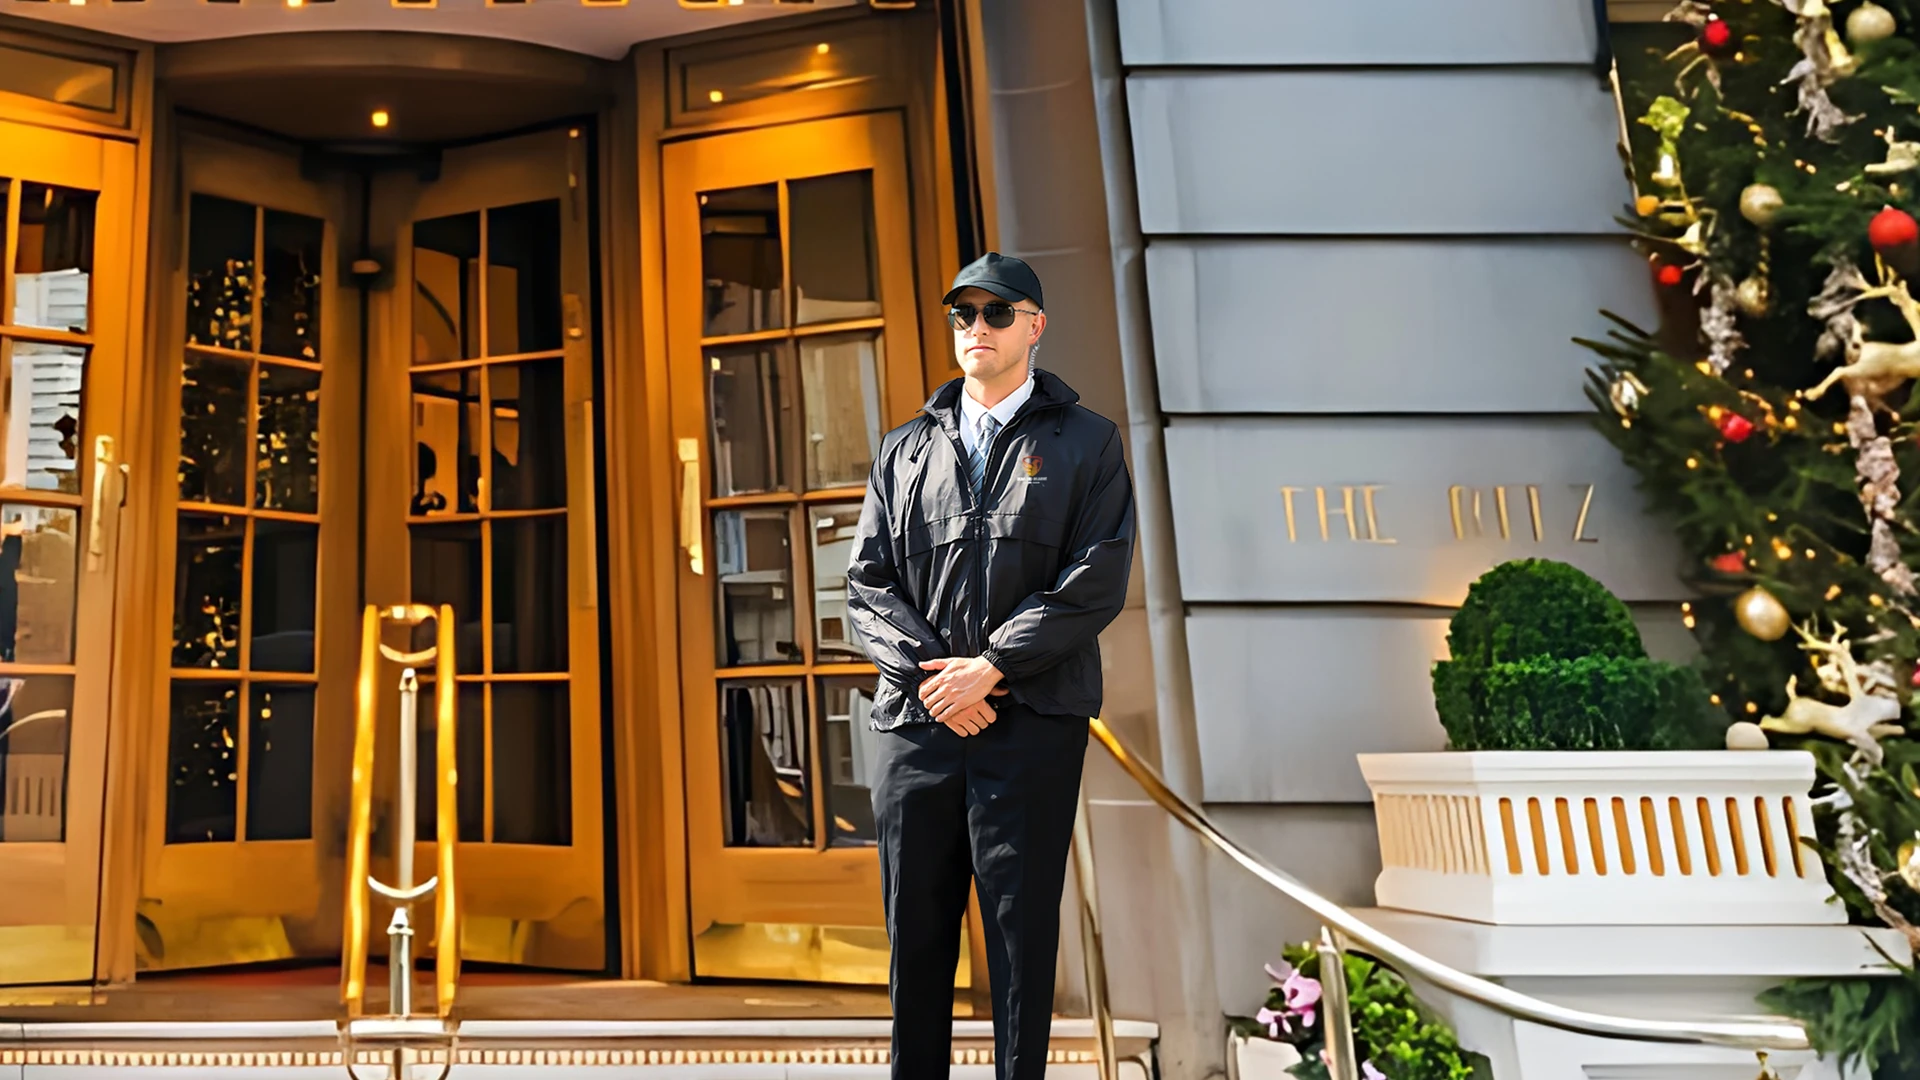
[1758,1035]
[361,884]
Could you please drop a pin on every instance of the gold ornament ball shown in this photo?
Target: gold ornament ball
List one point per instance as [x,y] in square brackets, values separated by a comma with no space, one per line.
[1760,202]
[1761,614]
[1869,22]
[1646,205]
[1909,863]
[1753,296]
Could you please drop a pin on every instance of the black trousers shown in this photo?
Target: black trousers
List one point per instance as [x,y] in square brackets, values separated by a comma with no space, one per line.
[998,808]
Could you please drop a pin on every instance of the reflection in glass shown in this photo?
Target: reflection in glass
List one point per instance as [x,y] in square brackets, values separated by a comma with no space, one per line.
[836,262]
[54,265]
[63,80]
[470,750]
[532,764]
[286,439]
[523,278]
[42,416]
[39,552]
[286,556]
[206,598]
[446,415]
[280,763]
[849,748]
[740,260]
[529,436]
[290,285]
[203,762]
[751,416]
[754,565]
[213,429]
[840,379]
[447,570]
[220,273]
[446,301]
[764,757]
[34,713]
[833,528]
[530,594]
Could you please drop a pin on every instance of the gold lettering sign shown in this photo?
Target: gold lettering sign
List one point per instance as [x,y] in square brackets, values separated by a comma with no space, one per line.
[1468,510]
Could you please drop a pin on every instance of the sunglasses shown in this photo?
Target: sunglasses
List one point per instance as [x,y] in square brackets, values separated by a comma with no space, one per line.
[999,316]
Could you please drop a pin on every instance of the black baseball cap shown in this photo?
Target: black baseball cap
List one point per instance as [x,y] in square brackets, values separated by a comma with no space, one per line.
[1002,275]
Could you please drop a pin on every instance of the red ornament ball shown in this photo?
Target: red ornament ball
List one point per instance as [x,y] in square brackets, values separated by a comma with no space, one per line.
[1892,229]
[1669,275]
[1733,562]
[1716,35]
[1735,428]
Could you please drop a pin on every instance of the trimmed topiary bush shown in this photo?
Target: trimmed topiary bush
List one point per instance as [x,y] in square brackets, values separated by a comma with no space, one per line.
[1545,658]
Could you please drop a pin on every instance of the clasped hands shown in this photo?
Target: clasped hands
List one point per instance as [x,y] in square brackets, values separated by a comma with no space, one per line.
[957,693]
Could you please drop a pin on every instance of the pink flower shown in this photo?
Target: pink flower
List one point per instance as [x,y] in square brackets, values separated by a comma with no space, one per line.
[1368,1072]
[1301,994]
[1272,1019]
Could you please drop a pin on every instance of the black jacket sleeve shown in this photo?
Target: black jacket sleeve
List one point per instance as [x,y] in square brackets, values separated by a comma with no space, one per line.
[894,633]
[1049,626]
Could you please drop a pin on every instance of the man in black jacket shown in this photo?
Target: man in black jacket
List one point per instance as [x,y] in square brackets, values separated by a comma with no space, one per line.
[994,547]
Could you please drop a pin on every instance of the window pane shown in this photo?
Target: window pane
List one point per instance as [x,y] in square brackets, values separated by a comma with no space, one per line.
[763,752]
[63,80]
[751,417]
[286,557]
[290,285]
[840,376]
[740,260]
[754,563]
[286,439]
[280,763]
[833,528]
[206,596]
[470,747]
[446,298]
[529,595]
[213,430]
[53,268]
[446,413]
[532,764]
[220,273]
[203,732]
[39,550]
[523,278]
[850,745]
[42,416]
[33,757]
[836,270]
[446,570]
[529,435]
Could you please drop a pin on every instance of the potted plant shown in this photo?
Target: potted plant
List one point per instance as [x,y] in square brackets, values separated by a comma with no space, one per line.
[1586,782]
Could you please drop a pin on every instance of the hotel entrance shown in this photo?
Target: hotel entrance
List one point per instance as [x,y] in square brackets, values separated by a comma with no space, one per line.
[598,352]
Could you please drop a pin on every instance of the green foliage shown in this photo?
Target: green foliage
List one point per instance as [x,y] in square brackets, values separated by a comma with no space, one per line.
[1391,1029]
[1545,658]
[1782,509]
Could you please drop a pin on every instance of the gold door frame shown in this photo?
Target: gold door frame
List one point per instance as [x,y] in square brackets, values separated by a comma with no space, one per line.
[821,885]
[52,906]
[521,903]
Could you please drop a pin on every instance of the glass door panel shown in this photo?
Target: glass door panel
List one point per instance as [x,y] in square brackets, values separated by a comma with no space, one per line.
[249,760]
[65,236]
[782,376]
[481,403]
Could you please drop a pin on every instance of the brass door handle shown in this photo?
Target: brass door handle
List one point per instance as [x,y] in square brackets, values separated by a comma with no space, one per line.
[103,470]
[690,523]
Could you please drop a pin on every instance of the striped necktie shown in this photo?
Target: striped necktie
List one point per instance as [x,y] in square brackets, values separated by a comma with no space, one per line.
[977,467]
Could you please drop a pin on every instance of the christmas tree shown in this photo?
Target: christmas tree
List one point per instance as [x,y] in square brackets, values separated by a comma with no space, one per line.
[1771,416]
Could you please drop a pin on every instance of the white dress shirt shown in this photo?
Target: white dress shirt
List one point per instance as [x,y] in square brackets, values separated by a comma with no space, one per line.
[971,411]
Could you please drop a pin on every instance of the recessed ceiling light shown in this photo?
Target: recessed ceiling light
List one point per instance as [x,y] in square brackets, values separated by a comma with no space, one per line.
[715,96]
[296,3]
[823,48]
[380,118]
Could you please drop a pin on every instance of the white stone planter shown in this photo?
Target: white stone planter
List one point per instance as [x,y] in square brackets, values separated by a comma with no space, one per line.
[1568,838]
[1259,1059]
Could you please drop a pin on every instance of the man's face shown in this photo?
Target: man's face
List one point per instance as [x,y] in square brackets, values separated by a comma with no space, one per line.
[987,353]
